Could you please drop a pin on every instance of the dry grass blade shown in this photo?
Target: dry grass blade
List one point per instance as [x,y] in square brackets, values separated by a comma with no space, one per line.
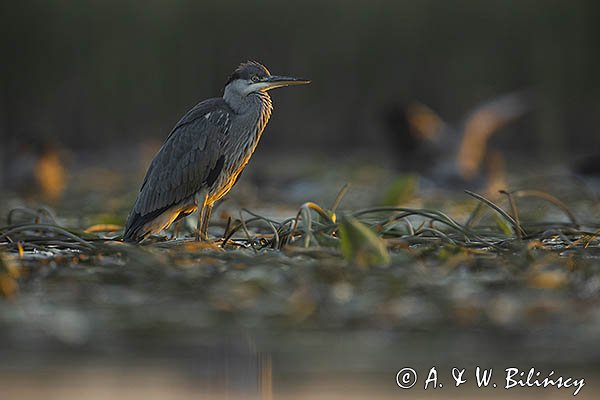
[271,223]
[304,211]
[243,224]
[437,233]
[46,228]
[515,213]
[474,216]
[432,215]
[549,198]
[338,200]
[500,211]
[35,214]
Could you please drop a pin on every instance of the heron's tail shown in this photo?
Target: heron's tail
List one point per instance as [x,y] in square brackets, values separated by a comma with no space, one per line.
[140,226]
[133,232]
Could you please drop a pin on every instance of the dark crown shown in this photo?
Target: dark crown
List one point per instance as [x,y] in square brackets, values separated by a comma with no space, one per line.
[247,70]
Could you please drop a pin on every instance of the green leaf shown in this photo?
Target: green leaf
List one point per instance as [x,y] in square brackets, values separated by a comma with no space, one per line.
[503,224]
[360,245]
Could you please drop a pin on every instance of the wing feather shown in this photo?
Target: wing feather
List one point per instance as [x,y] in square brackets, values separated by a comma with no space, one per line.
[182,165]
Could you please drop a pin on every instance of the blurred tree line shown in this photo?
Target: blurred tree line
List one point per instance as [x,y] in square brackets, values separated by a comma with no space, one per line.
[92,73]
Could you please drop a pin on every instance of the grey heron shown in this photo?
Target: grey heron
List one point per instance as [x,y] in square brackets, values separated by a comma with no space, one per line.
[205,153]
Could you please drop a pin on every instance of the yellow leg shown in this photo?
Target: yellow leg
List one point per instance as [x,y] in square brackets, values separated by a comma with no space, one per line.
[201,203]
[206,221]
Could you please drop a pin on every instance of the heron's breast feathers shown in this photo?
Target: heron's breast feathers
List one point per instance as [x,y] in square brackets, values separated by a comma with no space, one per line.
[238,148]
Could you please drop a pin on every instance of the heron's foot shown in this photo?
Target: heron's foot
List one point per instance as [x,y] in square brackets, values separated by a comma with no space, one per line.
[201,236]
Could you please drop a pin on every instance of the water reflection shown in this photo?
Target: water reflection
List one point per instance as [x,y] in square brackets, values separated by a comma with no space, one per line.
[281,365]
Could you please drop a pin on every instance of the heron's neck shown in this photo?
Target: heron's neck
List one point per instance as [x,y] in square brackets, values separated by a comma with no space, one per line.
[265,108]
[256,106]
[243,103]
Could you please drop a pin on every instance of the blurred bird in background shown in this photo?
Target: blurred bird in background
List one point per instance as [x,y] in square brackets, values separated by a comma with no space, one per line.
[35,169]
[424,143]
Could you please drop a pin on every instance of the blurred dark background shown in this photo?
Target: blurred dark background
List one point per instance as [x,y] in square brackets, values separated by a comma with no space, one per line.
[96,74]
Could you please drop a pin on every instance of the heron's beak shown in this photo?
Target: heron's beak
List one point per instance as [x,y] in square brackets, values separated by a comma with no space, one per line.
[275,81]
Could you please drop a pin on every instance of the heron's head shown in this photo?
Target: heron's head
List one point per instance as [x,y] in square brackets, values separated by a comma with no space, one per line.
[252,77]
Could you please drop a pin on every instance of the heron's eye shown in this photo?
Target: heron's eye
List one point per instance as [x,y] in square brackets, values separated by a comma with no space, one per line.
[255,78]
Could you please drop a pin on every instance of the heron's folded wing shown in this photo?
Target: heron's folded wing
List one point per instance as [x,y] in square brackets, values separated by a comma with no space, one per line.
[184,163]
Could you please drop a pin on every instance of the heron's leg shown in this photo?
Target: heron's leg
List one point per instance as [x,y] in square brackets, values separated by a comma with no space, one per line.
[176,228]
[201,203]
[206,221]
[201,216]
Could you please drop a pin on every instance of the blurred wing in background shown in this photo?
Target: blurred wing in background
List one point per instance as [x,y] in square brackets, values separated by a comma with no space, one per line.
[423,143]
[482,123]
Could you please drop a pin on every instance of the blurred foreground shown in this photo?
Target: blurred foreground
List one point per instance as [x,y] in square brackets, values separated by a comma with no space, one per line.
[86,317]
